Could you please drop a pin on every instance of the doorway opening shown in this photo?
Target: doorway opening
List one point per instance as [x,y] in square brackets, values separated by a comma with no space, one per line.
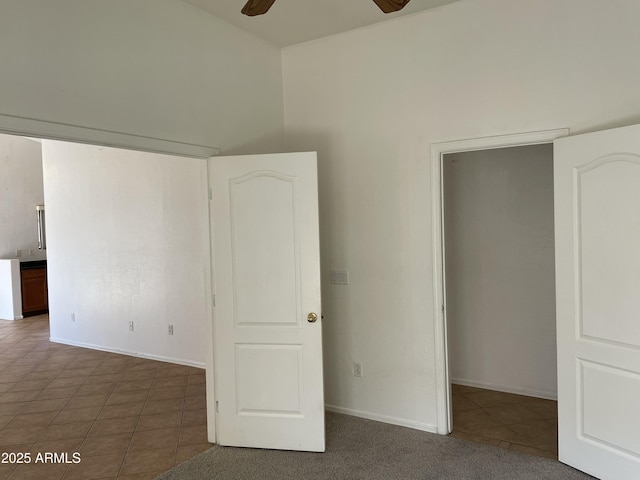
[438,153]
[101,139]
[499,273]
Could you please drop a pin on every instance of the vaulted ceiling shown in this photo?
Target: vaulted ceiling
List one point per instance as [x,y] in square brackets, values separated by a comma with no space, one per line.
[295,21]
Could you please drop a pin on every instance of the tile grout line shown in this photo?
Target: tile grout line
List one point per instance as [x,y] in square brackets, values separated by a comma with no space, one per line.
[124,457]
[184,403]
[38,437]
[69,356]
[86,436]
[503,423]
[60,411]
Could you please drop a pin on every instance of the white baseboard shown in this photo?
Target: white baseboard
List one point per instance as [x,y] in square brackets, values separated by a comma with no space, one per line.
[425,427]
[177,361]
[502,388]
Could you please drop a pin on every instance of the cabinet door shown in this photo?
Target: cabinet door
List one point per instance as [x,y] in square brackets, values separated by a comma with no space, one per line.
[34,290]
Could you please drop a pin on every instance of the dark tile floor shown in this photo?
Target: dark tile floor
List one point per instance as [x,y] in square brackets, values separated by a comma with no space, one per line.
[127,417]
[515,422]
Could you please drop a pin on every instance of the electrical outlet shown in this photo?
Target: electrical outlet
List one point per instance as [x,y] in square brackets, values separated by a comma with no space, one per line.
[131,326]
[18,253]
[170,329]
[73,317]
[31,252]
[357,369]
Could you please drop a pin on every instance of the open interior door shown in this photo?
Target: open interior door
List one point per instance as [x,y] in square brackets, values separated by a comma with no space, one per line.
[597,228]
[267,326]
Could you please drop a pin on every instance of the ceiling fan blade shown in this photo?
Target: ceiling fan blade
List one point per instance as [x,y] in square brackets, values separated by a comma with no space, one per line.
[257,7]
[388,6]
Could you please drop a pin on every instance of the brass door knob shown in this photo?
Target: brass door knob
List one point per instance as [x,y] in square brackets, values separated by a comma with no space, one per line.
[312,317]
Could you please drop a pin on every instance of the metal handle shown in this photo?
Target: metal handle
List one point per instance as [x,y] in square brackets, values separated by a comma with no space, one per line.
[41,235]
[312,317]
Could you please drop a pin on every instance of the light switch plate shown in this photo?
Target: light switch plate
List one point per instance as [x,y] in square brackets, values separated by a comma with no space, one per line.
[339,277]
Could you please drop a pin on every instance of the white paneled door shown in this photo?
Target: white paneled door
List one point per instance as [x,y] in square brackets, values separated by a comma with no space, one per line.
[597,222]
[267,326]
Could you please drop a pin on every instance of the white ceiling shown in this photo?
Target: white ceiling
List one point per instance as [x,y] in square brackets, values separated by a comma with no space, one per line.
[295,21]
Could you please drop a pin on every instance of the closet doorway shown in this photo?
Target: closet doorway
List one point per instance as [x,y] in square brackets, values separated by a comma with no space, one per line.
[498,238]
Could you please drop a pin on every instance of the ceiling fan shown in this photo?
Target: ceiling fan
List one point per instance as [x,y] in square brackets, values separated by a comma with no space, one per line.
[260,7]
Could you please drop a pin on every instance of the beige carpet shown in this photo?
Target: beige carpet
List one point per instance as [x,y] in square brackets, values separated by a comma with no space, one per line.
[368,450]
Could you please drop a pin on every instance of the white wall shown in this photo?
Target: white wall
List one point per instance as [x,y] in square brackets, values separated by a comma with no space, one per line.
[20,192]
[157,68]
[372,101]
[128,241]
[500,267]
[10,290]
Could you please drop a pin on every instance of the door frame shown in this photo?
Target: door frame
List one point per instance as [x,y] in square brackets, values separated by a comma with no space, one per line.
[438,150]
[31,127]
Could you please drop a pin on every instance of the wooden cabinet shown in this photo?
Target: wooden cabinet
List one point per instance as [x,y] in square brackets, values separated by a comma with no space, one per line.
[34,291]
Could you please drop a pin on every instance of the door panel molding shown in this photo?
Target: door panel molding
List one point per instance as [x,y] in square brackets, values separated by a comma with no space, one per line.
[597,235]
[266,263]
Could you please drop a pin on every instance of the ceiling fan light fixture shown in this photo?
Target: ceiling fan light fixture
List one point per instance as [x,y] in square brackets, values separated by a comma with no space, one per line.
[257,7]
[390,6]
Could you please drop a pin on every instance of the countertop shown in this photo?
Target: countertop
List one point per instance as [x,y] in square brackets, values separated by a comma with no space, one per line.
[30,264]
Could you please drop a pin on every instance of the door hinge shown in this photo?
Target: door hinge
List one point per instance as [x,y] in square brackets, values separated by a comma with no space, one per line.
[213,299]
[210,194]
[443,308]
[217,411]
